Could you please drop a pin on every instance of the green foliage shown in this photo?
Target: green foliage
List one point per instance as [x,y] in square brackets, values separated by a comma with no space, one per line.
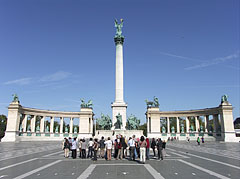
[3,125]
[144,128]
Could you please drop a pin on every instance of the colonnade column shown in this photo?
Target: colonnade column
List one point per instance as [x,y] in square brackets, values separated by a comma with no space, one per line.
[71,125]
[51,124]
[42,124]
[148,123]
[79,125]
[178,131]
[205,123]
[187,125]
[91,125]
[196,123]
[168,125]
[215,123]
[25,123]
[61,124]
[33,122]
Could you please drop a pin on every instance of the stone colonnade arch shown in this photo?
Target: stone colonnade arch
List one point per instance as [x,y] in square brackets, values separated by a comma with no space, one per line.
[222,117]
[26,124]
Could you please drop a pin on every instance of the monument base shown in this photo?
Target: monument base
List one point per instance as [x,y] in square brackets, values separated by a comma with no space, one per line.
[10,137]
[119,108]
[112,133]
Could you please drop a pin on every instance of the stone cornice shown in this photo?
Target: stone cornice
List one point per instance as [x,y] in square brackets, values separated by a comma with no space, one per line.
[49,113]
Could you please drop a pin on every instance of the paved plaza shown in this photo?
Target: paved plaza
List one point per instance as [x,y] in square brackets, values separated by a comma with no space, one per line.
[183,160]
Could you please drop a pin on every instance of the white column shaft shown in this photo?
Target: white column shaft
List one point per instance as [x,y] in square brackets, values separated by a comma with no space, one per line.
[51,125]
[119,74]
[187,125]
[42,124]
[168,125]
[196,123]
[61,125]
[25,123]
[71,125]
[33,122]
[178,129]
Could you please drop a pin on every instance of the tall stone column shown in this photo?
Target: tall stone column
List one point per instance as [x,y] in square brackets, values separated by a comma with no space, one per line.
[42,122]
[168,125]
[215,123]
[61,125]
[119,107]
[196,123]
[51,124]
[205,123]
[178,129]
[25,123]
[33,122]
[71,125]
[148,124]
[187,125]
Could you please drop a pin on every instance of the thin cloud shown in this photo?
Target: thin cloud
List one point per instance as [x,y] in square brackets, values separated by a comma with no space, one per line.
[214,61]
[60,75]
[22,81]
[179,56]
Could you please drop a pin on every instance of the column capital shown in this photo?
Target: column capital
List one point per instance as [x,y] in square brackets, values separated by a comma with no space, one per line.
[119,40]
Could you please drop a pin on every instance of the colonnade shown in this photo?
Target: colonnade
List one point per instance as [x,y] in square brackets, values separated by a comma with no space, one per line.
[18,127]
[187,123]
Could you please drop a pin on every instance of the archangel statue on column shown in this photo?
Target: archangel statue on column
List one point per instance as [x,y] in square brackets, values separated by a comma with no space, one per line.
[118,28]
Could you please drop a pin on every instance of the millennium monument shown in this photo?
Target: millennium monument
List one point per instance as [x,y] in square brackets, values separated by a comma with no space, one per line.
[30,124]
[119,107]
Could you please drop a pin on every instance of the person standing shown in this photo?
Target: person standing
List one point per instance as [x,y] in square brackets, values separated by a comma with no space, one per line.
[66,148]
[143,145]
[80,148]
[131,144]
[120,149]
[202,139]
[116,146]
[124,146]
[95,149]
[164,148]
[102,147]
[90,148]
[84,146]
[153,146]
[198,141]
[108,144]
[159,148]
[147,148]
[74,148]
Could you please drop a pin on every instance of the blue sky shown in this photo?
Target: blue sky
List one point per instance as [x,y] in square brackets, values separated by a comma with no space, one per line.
[53,53]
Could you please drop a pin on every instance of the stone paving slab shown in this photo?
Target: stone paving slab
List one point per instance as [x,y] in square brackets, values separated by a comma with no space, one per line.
[182,161]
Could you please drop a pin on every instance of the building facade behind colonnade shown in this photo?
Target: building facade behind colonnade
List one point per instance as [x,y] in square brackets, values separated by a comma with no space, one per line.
[211,123]
[29,124]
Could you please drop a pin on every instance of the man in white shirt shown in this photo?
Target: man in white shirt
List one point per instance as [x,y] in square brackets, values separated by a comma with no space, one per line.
[108,144]
[131,144]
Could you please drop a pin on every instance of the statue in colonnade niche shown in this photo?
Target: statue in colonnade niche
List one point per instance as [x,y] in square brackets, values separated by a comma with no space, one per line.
[163,129]
[173,129]
[89,104]
[182,128]
[15,98]
[47,129]
[56,130]
[105,122]
[20,128]
[224,98]
[191,128]
[29,128]
[118,124]
[133,122]
[66,129]
[201,128]
[37,128]
[75,129]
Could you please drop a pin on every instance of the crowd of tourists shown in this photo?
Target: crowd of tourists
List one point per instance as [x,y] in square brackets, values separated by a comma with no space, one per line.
[118,148]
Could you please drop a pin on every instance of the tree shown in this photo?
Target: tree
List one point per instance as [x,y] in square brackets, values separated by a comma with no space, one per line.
[3,125]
